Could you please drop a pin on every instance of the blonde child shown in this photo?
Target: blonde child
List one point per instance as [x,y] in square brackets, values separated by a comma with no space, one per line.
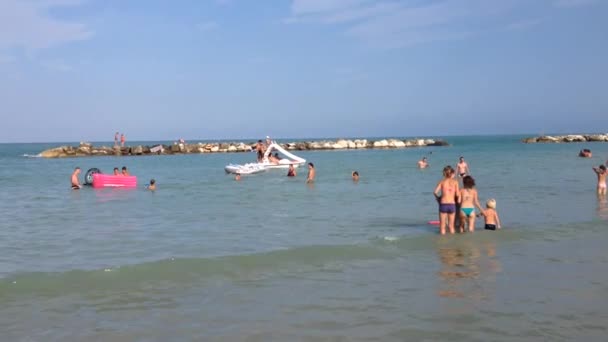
[490,215]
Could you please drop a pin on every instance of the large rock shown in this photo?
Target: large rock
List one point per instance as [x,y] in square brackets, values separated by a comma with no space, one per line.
[574,138]
[175,148]
[531,140]
[137,150]
[381,143]
[439,143]
[597,137]
[56,152]
[394,143]
[547,138]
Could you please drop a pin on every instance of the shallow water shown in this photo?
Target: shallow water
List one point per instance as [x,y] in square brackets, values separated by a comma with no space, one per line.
[270,258]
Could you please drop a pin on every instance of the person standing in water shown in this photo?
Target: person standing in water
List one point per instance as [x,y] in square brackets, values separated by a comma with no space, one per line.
[292,171]
[447,193]
[601,179]
[311,173]
[468,201]
[74,179]
[490,215]
[422,163]
[462,167]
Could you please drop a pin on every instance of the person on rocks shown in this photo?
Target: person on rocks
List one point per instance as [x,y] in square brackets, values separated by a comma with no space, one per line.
[122,140]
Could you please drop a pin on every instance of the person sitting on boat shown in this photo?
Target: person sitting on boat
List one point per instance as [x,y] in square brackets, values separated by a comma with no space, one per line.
[292,171]
[273,160]
[276,155]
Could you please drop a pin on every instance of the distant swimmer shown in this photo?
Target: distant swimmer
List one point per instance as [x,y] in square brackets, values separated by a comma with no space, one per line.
[601,179]
[422,163]
[152,186]
[355,176]
[468,203]
[125,172]
[585,153]
[237,177]
[490,215]
[462,167]
[75,182]
[447,193]
[116,172]
[292,171]
[311,173]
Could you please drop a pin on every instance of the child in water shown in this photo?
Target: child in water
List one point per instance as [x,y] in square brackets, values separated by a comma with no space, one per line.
[490,215]
[152,185]
[601,179]
[468,202]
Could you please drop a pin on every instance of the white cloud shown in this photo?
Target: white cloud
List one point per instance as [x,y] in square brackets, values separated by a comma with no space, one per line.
[399,23]
[574,3]
[27,24]
[207,26]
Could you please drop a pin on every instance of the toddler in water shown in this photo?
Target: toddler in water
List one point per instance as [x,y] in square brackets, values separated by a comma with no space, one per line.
[490,215]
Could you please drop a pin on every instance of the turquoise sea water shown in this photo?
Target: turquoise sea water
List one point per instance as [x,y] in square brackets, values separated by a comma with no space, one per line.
[268,258]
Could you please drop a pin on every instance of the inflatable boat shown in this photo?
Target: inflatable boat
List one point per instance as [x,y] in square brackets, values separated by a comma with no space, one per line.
[266,164]
[246,169]
[101,180]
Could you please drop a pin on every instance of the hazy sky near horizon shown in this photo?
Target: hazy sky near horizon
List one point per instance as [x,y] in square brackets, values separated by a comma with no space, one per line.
[73,70]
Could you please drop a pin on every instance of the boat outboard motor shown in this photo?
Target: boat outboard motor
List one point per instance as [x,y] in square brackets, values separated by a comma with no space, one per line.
[88,177]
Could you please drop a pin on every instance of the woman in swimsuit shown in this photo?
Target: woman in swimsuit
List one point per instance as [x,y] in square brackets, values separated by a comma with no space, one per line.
[448,188]
[468,201]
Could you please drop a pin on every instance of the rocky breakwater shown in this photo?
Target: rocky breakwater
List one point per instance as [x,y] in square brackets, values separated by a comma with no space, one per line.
[85,149]
[567,138]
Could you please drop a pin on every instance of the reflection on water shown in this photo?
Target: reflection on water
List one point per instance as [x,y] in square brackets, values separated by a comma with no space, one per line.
[468,269]
[602,207]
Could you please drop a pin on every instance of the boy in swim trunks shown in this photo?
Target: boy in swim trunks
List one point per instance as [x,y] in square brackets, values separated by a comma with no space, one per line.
[462,167]
[601,179]
[490,215]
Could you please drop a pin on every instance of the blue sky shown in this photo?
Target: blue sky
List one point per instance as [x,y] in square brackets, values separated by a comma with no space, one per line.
[73,70]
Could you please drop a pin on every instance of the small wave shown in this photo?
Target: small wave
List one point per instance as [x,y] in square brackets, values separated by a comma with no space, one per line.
[32,155]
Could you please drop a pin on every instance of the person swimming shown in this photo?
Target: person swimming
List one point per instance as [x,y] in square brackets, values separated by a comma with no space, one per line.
[447,194]
[355,176]
[422,163]
[116,172]
[125,172]
[152,186]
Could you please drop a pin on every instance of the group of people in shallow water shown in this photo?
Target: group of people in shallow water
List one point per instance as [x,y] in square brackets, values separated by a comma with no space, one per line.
[124,172]
[457,205]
